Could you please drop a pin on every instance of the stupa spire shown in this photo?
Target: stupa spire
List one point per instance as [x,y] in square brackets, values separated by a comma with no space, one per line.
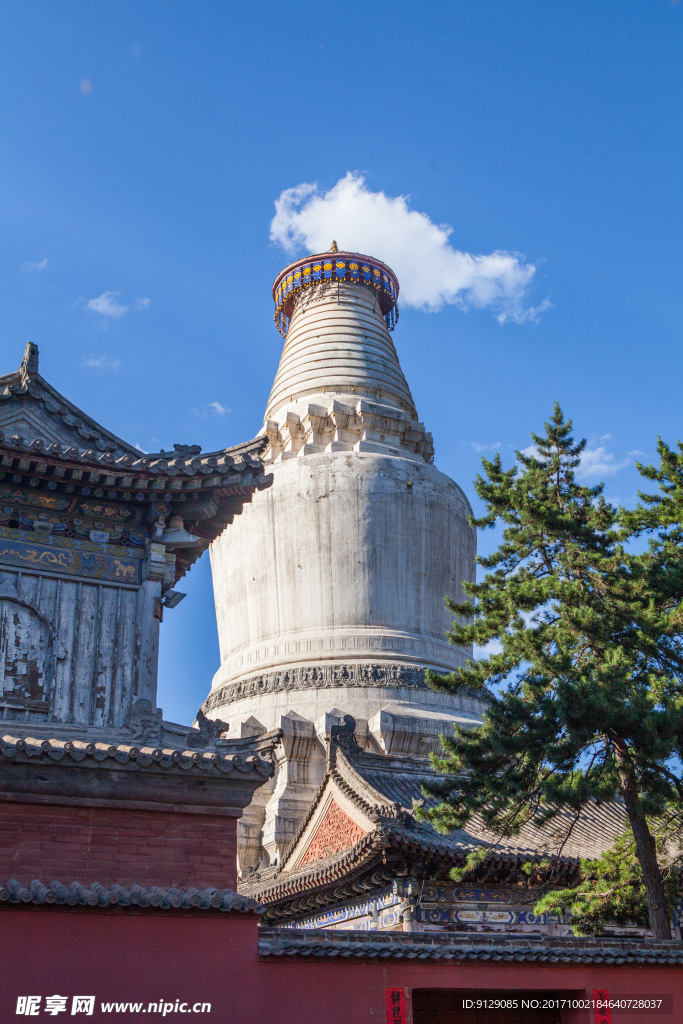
[335,311]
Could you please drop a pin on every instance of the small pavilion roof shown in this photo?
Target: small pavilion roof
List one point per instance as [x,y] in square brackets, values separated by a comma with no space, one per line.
[378,795]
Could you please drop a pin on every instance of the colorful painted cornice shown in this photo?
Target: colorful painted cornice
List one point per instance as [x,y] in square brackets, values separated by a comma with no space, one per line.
[326,268]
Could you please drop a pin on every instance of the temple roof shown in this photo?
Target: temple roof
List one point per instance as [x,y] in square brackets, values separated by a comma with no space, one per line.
[235,756]
[30,405]
[45,423]
[363,819]
[50,444]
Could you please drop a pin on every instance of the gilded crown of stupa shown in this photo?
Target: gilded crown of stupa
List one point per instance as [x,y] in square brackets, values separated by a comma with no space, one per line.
[335,266]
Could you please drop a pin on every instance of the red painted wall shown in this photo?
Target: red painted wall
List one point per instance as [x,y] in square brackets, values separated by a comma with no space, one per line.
[116,845]
[202,957]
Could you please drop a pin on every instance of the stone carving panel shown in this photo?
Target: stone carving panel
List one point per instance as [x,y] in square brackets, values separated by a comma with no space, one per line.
[335,833]
[144,722]
[317,677]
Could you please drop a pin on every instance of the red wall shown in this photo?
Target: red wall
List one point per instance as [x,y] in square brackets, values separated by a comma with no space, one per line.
[204,957]
[116,845]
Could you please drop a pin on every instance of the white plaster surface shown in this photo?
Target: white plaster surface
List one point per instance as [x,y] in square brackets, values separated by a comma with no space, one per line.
[346,557]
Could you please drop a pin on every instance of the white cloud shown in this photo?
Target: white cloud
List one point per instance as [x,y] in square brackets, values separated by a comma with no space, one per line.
[431,272]
[212,409]
[107,304]
[598,462]
[485,447]
[101,363]
[85,85]
[30,267]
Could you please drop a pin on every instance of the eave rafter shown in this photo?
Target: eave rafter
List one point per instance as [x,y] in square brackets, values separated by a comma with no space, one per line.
[124,475]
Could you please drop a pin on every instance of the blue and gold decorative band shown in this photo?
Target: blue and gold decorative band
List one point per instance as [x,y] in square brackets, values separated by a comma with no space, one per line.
[351,268]
[49,560]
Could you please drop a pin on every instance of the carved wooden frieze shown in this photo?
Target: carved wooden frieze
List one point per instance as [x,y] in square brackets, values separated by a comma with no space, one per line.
[335,833]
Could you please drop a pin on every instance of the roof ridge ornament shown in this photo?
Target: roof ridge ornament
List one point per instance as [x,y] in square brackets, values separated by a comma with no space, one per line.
[344,737]
[29,364]
[333,246]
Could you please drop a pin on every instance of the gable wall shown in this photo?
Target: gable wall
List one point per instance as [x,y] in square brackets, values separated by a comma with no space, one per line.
[28,419]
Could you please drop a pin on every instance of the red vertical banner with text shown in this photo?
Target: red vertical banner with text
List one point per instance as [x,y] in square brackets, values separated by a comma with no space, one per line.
[601,1009]
[396,1006]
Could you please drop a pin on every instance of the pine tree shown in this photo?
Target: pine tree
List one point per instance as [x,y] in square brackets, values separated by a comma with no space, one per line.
[584,696]
[610,889]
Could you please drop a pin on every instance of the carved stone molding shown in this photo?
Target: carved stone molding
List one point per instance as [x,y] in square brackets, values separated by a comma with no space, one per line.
[312,677]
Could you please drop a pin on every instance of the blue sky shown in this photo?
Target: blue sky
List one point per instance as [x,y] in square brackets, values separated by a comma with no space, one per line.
[142,148]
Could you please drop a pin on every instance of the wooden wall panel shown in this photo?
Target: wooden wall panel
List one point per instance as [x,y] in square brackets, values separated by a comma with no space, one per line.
[95,633]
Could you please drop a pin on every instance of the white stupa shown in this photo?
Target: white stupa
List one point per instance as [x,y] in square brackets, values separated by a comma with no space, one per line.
[330,586]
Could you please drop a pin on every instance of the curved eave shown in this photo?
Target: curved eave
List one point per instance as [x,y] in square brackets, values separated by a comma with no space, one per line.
[56,461]
[208,490]
[319,885]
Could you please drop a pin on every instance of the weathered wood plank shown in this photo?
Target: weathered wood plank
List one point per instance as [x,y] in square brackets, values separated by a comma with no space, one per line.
[103,668]
[66,619]
[84,653]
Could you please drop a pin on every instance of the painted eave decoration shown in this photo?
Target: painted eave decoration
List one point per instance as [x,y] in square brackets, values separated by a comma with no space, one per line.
[335,267]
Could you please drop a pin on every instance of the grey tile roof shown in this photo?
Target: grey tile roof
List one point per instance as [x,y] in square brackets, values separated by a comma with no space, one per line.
[282,942]
[224,462]
[389,783]
[387,787]
[164,757]
[96,895]
[27,383]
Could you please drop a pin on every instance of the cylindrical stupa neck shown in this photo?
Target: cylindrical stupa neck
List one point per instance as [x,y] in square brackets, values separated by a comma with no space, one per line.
[337,340]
